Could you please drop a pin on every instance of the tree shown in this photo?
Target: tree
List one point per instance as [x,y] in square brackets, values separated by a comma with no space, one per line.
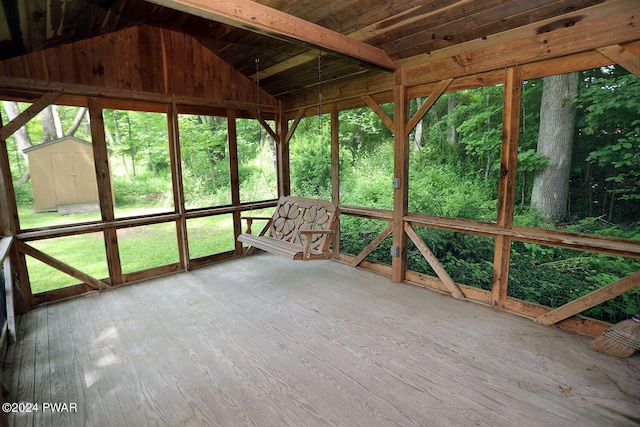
[417,134]
[23,140]
[608,144]
[555,140]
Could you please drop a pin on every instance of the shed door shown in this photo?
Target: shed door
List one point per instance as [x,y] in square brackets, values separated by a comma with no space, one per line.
[64,180]
[74,180]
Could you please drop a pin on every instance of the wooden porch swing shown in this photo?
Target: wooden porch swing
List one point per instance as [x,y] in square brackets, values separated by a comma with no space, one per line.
[300,228]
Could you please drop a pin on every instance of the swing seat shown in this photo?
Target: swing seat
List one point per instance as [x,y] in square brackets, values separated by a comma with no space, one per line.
[300,229]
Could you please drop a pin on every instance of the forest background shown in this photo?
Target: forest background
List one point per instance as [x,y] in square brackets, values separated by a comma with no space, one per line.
[578,170]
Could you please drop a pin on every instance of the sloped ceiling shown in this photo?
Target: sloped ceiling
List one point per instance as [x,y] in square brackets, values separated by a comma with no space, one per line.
[408,31]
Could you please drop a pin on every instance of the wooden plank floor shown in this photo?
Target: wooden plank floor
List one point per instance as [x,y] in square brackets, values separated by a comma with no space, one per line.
[268,342]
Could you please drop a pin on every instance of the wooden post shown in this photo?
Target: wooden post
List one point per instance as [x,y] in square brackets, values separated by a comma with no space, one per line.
[232,135]
[507,183]
[335,171]
[9,226]
[282,153]
[401,176]
[8,209]
[105,191]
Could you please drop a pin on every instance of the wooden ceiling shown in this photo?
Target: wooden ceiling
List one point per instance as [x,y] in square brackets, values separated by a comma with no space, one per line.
[350,33]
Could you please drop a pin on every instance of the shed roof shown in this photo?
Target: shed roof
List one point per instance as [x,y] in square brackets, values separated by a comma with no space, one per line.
[56,141]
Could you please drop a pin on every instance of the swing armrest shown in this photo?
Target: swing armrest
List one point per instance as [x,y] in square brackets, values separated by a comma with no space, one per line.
[306,234]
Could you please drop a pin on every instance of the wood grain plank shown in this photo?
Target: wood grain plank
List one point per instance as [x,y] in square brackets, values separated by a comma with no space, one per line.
[272,22]
[265,341]
[96,356]
[26,386]
[623,57]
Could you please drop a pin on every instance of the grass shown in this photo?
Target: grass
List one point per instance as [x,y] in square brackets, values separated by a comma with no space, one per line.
[30,219]
[140,247]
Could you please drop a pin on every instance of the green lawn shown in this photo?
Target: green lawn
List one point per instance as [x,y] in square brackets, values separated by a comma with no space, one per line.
[140,247]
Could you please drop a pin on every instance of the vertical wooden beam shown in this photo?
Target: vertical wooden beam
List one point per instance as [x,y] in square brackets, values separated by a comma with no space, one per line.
[282,153]
[506,183]
[401,175]
[232,136]
[9,226]
[335,171]
[8,209]
[22,284]
[105,191]
[178,186]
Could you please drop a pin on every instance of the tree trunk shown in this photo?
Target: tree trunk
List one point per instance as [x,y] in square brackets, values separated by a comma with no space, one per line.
[118,142]
[57,121]
[49,131]
[273,155]
[417,135]
[555,140]
[77,121]
[452,137]
[21,135]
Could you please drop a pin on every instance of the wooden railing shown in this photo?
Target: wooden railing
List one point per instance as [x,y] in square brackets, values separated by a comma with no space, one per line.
[565,316]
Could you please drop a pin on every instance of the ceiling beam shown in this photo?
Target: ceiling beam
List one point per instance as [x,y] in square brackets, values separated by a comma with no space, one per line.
[271,22]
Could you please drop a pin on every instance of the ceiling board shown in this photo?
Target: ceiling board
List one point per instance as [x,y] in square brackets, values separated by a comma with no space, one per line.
[405,30]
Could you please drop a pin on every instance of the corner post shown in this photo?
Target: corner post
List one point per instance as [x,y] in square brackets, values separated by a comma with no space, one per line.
[335,171]
[401,171]
[507,183]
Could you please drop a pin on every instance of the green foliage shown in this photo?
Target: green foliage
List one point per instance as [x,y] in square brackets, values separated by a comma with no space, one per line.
[356,233]
[439,190]
[310,159]
[147,190]
[555,276]
[24,195]
[366,180]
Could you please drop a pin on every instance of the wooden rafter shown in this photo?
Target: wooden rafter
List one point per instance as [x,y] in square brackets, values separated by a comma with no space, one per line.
[271,22]
[538,47]
[623,57]
[592,299]
[433,262]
